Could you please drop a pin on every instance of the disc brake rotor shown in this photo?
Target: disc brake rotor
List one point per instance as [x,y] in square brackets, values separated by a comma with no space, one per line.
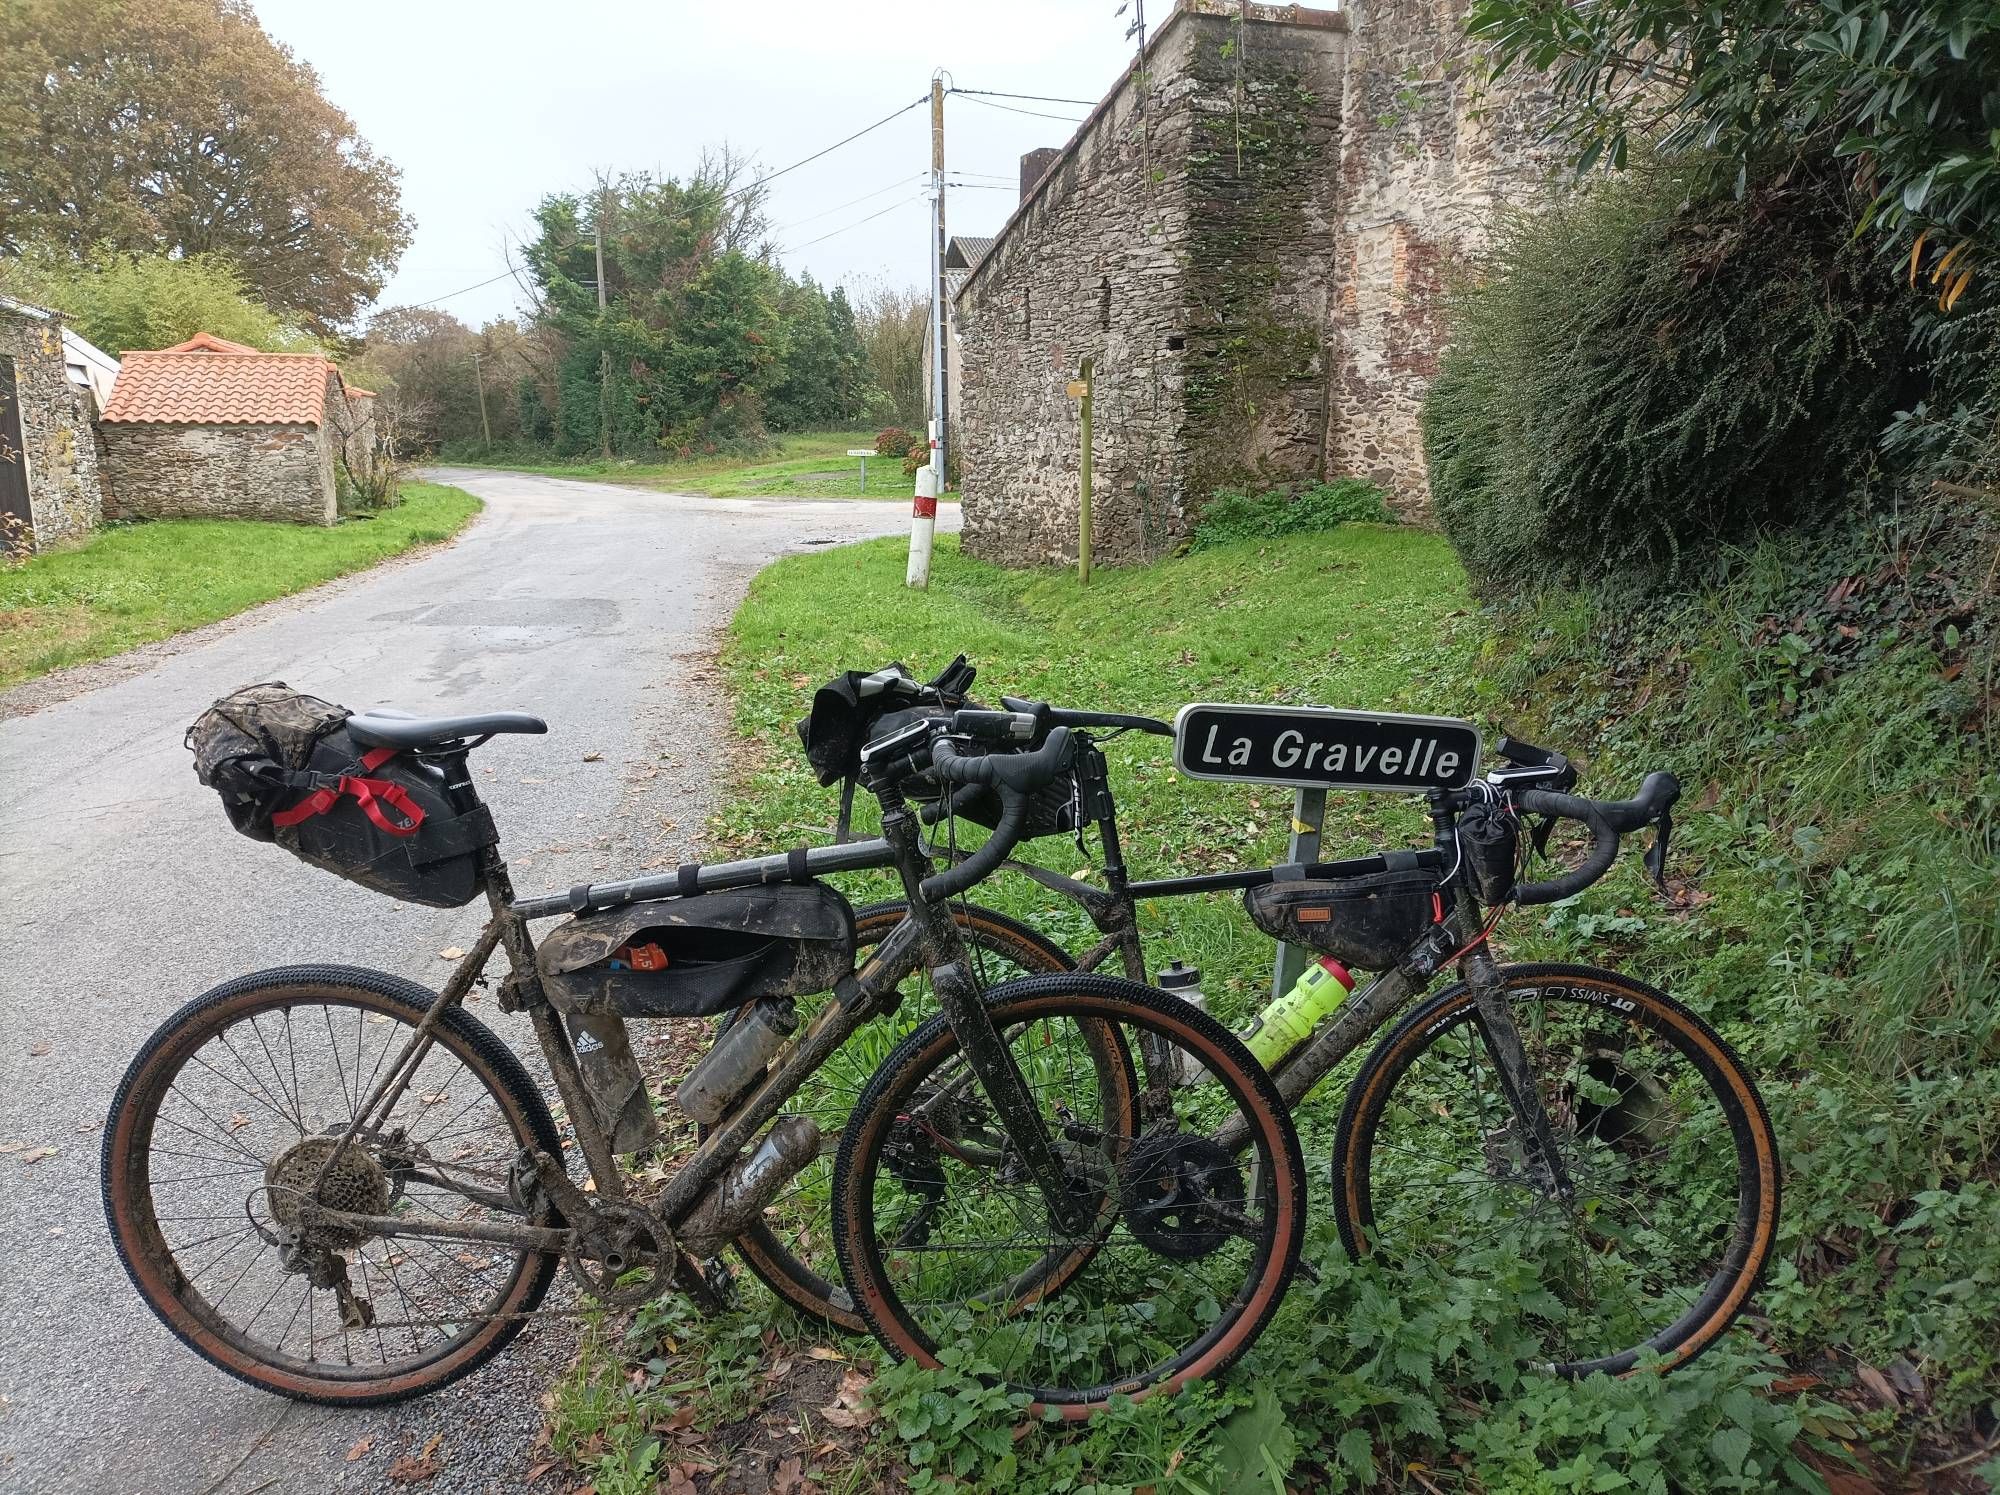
[1182,1195]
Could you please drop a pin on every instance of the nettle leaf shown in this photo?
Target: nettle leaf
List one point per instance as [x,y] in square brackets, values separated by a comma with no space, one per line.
[1731,1445]
[1356,1450]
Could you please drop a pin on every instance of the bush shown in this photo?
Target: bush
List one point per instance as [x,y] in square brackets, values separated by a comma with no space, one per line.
[918,454]
[1658,366]
[1234,515]
[893,442]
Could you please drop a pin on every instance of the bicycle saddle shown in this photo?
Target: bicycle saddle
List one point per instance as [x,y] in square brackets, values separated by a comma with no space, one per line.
[396,729]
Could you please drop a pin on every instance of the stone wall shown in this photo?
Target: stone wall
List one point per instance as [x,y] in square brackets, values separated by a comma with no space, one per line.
[1179,244]
[1431,157]
[65,492]
[219,472]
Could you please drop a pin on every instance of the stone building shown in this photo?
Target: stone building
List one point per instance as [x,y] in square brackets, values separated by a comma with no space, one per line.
[49,483]
[211,429]
[1250,238]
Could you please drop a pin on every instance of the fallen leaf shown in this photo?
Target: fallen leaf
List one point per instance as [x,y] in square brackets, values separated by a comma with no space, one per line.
[88,1126]
[823,1352]
[679,1481]
[39,1049]
[451,952]
[1877,1384]
[238,1120]
[683,1417]
[360,1448]
[536,1471]
[36,1154]
[849,1407]
[411,1471]
[791,1479]
[593,757]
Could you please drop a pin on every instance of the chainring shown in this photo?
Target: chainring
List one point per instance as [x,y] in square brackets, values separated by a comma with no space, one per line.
[1179,1193]
[617,1241]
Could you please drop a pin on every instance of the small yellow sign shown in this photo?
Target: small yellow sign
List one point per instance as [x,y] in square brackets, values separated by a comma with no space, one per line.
[1076,389]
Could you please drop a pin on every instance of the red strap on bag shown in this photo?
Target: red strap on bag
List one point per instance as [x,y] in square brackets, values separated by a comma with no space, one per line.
[370,794]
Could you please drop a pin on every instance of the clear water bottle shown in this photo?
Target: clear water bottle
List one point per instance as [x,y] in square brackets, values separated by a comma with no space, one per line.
[1314,997]
[1185,983]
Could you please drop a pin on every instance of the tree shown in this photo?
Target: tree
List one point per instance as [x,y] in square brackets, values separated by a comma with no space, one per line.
[892,323]
[124,302]
[1907,91]
[179,127]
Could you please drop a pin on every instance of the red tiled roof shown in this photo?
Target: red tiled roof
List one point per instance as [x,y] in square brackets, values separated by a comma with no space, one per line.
[193,388]
[208,342]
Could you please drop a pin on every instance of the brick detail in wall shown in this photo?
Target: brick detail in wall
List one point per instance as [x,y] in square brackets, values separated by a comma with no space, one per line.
[65,488]
[1252,237]
[220,472]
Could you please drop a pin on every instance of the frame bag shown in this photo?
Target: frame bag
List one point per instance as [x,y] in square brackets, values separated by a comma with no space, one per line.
[289,773]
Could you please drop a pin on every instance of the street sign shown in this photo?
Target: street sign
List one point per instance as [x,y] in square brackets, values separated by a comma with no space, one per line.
[1316,747]
[861,451]
[1076,389]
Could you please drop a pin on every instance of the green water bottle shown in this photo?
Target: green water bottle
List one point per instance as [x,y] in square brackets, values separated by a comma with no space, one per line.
[1283,1026]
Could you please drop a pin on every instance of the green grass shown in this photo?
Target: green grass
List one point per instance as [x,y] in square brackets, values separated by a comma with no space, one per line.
[134,583]
[807,465]
[1838,921]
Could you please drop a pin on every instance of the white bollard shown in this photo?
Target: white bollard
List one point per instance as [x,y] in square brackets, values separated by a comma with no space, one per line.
[923,523]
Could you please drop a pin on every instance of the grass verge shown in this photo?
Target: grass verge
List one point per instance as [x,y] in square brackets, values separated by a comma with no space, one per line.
[133,583]
[1372,1379]
[806,465]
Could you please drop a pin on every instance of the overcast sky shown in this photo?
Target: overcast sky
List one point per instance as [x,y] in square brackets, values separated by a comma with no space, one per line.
[488,106]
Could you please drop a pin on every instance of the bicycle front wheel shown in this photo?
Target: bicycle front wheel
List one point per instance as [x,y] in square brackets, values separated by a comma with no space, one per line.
[1664,1139]
[790,1246]
[948,1242]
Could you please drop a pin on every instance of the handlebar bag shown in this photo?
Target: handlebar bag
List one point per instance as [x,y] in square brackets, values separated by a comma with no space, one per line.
[289,773]
[1367,921]
[722,949]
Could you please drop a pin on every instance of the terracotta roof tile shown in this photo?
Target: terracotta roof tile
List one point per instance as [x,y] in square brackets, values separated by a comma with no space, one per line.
[206,388]
[208,342]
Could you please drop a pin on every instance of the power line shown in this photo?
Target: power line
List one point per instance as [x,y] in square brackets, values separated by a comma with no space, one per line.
[1035,113]
[900,202]
[808,160]
[1039,98]
[864,197]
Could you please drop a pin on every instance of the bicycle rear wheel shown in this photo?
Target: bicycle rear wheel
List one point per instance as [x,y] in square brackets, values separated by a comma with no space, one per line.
[1662,1134]
[946,1240]
[224,1123]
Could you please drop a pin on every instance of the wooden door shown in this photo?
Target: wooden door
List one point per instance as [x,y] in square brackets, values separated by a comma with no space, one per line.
[17,520]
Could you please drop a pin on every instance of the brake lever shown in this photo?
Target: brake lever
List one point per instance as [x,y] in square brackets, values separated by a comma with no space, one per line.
[1539,832]
[1656,854]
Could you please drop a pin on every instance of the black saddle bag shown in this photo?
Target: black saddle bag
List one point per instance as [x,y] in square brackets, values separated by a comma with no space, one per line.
[289,773]
[1366,921]
[699,956]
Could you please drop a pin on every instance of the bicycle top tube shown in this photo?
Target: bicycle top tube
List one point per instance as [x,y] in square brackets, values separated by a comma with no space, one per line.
[797,865]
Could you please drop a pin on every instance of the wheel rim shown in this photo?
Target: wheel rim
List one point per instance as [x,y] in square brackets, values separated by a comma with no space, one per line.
[240,1111]
[1670,1217]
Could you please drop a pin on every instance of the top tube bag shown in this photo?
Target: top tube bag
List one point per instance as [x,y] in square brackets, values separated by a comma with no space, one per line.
[289,773]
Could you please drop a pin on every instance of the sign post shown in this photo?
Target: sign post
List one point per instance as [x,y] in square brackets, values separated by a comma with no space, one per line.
[864,453]
[1311,749]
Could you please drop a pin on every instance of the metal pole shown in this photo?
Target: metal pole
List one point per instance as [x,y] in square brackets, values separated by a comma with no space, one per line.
[485,428]
[940,394]
[1308,815]
[604,353]
[1083,477]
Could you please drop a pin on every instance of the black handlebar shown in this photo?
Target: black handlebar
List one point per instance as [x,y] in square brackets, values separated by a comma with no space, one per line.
[1016,776]
[1058,716]
[1606,819]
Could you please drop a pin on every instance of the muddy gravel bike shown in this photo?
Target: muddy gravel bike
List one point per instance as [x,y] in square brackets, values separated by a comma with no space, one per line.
[341,1187]
[1563,1128]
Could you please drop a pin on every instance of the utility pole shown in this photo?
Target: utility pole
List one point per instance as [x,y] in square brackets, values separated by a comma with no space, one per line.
[604,353]
[940,394]
[485,429]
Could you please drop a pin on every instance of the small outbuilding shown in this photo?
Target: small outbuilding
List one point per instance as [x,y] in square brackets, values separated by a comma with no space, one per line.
[51,382]
[212,429]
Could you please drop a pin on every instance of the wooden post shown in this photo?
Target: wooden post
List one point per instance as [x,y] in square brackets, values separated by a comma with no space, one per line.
[485,428]
[1083,476]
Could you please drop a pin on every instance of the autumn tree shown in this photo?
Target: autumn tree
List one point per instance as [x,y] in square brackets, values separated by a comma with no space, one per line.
[127,302]
[179,127]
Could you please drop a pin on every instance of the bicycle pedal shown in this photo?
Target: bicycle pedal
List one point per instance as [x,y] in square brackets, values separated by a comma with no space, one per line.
[722,1283]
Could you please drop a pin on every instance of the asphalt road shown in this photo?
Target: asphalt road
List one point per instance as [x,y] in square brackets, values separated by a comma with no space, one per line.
[126,893]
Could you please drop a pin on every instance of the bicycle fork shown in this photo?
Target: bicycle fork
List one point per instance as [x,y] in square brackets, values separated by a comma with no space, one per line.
[1493,1016]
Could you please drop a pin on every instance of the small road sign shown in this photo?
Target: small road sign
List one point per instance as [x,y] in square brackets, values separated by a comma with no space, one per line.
[1317,747]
